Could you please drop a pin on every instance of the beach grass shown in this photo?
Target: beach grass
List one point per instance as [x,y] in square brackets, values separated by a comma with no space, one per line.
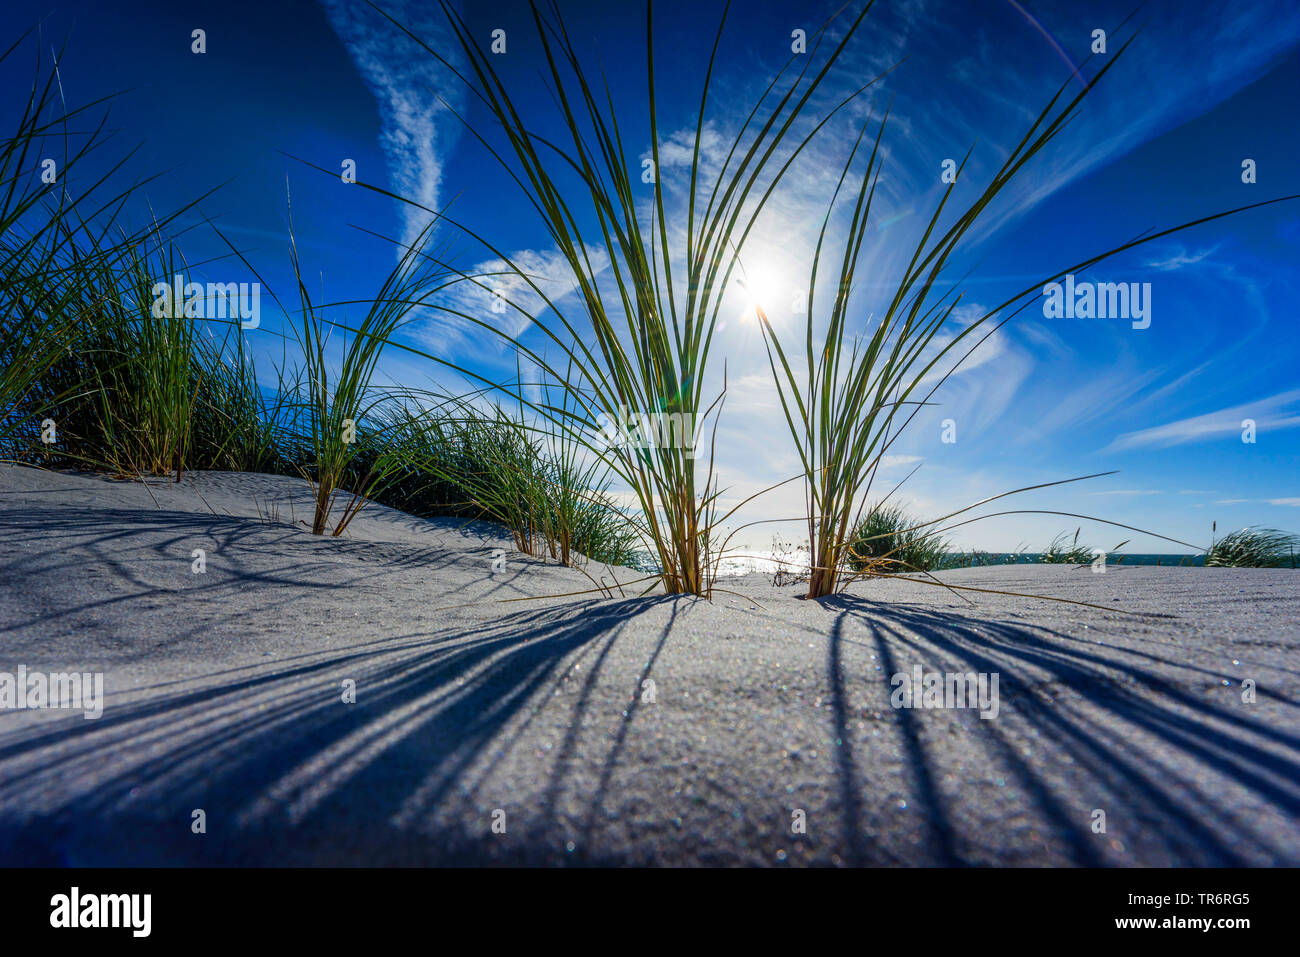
[143,374]
[854,395]
[469,456]
[65,261]
[1064,550]
[333,397]
[135,391]
[649,294]
[1254,547]
[888,540]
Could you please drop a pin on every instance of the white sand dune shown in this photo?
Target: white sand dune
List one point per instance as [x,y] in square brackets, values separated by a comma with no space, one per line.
[224,693]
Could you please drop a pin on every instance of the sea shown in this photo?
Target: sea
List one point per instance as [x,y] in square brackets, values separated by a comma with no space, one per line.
[768,562]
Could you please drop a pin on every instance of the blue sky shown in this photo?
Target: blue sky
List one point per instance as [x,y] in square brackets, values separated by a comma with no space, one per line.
[1159,142]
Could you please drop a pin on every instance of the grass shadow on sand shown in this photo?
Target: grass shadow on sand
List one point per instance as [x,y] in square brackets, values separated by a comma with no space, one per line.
[1090,703]
[271,752]
[411,773]
[148,555]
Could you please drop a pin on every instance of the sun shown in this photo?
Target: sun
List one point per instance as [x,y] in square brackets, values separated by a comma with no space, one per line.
[763,288]
[760,293]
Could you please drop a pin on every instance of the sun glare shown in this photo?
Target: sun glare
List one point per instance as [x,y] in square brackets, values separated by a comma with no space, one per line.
[764,287]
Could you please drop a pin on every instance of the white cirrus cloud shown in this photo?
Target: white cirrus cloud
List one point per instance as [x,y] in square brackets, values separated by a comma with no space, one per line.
[503,297]
[416,130]
[1130,491]
[895,461]
[1281,411]
[1182,258]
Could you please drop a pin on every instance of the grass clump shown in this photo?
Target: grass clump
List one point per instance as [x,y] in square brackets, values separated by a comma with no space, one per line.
[848,398]
[68,276]
[648,294]
[1067,551]
[238,425]
[142,388]
[888,540]
[335,410]
[527,475]
[141,370]
[334,399]
[34,285]
[462,456]
[1254,547]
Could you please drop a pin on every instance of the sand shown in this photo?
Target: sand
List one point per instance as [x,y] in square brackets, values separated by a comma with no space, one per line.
[756,729]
